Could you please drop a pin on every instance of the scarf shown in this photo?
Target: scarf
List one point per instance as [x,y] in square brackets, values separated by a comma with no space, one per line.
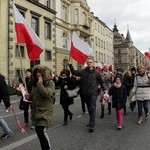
[117,85]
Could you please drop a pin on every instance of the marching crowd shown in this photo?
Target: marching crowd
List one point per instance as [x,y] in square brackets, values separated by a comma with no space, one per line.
[115,89]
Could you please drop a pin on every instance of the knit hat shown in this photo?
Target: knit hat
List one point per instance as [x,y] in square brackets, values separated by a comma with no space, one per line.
[133,69]
[118,76]
[29,70]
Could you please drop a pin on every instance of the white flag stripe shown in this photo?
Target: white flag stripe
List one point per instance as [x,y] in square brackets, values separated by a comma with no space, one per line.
[20,19]
[81,45]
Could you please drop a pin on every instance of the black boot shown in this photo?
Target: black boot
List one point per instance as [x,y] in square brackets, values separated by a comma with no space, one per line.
[65,123]
[109,108]
[131,106]
[124,108]
[102,111]
[70,116]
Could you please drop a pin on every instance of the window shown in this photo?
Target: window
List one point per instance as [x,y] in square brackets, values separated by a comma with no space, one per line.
[84,18]
[22,51]
[65,64]
[35,24]
[76,16]
[119,60]
[48,3]
[53,4]
[47,30]
[99,42]
[19,72]
[96,41]
[119,51]
[64,13]
[96,56]
[48,55]
[65,40]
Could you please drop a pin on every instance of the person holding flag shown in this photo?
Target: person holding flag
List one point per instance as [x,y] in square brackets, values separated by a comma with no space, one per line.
[91,79]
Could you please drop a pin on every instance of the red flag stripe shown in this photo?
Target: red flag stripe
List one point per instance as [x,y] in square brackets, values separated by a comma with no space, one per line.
[77,54]
[24,37]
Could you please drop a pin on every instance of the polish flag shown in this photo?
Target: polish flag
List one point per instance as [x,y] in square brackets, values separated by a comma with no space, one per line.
[80,50]
[147,55]
[26,35]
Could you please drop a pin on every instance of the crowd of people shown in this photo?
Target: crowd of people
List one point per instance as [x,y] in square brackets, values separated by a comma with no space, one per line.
[114,88]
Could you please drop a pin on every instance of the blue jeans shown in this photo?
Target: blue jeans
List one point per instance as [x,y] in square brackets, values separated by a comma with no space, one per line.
[143,104]
[4,126]
[91,105]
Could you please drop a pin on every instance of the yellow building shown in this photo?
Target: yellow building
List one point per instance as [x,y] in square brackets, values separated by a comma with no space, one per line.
[41,16]
[102,42]
[53,21]
[75,15]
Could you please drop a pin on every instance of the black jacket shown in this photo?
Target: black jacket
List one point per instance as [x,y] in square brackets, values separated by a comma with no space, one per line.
[70,82]
[4,94]
[119,96]
[91,79]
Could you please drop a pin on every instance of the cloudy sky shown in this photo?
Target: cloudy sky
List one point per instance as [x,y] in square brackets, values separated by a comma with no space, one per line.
[132,13]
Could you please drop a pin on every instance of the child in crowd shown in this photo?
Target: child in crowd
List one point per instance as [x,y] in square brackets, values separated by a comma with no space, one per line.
[119,97]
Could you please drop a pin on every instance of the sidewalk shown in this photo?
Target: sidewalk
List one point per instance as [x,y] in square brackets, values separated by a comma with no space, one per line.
[16,97]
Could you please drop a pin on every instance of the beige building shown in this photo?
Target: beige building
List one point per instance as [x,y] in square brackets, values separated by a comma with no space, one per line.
[40,14]
[126,54]
[72,15]
[53,21]
[103,42]
[75,15]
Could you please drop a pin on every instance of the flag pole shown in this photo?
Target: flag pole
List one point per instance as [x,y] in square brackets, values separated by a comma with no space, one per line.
[22,70]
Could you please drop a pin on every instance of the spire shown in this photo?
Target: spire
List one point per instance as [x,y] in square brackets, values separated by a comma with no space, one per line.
[115,26]
[128,36]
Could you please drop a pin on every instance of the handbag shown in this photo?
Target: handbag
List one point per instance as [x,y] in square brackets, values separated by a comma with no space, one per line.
[71,93]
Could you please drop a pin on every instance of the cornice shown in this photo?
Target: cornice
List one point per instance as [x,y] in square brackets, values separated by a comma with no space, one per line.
[42,6]
[21,7]
[61,50]
[63,26]
[67,1]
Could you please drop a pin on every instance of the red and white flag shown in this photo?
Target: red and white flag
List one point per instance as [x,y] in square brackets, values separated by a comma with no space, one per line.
[26,35]
[80,50]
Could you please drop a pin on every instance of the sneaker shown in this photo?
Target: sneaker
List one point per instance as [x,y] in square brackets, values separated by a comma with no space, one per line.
[32,127]
[119,127]
[4,136]
[91,129]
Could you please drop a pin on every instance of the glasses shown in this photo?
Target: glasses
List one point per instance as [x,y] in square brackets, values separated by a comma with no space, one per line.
[89,62]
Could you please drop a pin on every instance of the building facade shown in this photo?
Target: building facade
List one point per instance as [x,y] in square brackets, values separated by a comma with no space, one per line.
[42,22]
[53,21]
[75,15]
[126,55]
[103,42]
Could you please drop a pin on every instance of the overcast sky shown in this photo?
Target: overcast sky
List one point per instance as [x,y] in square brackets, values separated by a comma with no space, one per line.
[132,13]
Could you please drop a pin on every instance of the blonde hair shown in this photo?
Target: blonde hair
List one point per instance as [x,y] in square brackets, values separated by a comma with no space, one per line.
[140,67]
[125,74]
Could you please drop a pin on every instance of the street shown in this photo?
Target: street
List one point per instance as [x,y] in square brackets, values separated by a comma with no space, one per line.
[75,135]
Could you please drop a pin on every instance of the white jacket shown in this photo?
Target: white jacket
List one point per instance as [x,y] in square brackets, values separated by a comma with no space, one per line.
[141,87]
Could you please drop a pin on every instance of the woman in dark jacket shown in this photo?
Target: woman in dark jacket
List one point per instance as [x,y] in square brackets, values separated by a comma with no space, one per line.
[128,83]
[66,82]
[119,96]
